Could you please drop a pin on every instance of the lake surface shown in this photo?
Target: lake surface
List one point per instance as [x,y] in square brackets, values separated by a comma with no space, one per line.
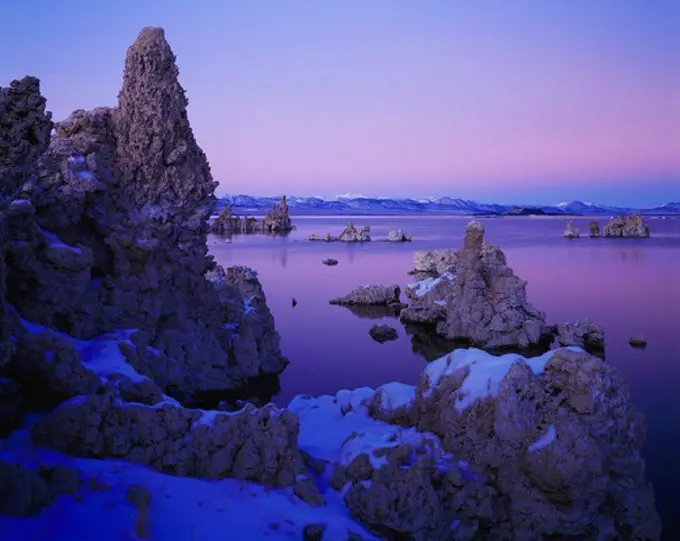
[630,286]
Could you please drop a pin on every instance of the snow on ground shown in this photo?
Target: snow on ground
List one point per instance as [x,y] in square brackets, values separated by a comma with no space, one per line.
[423,287]
[182,509]
[330,431]
[55,242]
[545,440]
[486,371]
[395,395]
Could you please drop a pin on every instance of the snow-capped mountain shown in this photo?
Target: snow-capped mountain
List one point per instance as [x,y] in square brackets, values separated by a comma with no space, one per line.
[361,204]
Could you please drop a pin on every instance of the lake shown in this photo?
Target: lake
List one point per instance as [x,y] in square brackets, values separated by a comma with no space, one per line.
[630,286]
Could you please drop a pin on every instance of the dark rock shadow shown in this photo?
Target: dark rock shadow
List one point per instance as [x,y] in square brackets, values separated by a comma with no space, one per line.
[373,311]
[258,391]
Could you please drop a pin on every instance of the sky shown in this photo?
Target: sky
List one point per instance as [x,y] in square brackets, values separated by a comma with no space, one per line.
[528,101]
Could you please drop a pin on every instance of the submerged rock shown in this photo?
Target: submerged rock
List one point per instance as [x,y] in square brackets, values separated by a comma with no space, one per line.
[397,235]
[111,229]
[571,232]
[383,333]
[371,294]
[330,262]
[626,226]
[638,342]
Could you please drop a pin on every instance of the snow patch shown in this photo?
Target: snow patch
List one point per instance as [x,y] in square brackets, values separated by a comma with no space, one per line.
[396,395]
[545,440]
[486,371]
[423,287]
[55,242]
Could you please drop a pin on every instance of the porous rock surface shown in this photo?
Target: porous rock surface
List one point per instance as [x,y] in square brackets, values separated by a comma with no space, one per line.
[254,444]
[554,454]
[371,294]
[485,303]
[430,264]
[626,226]
[583,333]
[276,220]
[110,231]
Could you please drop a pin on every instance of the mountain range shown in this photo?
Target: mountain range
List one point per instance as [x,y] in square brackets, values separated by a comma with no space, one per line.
[359,204]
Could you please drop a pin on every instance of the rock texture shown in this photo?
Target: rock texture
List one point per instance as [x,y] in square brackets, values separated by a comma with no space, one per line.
[371,294]
[397,235]
[383,333]
[277,220]
[430,264]
[594,228]
[571,232]
[255,444]
[349,234]
[626,226]
[485,302]
[584,334]
[553,455]
[111,234]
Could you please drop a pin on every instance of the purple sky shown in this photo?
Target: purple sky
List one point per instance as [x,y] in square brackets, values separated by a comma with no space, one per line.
[504,101]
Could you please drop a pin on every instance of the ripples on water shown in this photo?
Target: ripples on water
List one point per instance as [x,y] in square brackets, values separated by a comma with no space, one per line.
[630,286]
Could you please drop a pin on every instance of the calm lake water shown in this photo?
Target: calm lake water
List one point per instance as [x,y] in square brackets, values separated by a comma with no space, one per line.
[630,286]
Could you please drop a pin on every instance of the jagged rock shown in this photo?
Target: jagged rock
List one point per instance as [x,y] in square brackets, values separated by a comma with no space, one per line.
[430,264]
[253,444]
[570,232]
[486,303]
[349,234]
[626,226]
[371,294]
[11,409]
[277,220]
[112,234]
[584,334]
[594,228]
[25,492]
[383,333]
[397,235]
[50,370]
[530,449]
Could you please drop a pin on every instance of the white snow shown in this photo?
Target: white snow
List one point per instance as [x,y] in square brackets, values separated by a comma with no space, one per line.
[86,175]
[102,355]
[440,303]
[422,287]
[545,440]
[486,371]
[76,159]
[395,395]
[181,508]
[328,431]
[248,305]
[55,242]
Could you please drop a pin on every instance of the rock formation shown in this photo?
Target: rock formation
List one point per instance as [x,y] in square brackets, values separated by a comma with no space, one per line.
[397,235]
[570,232]
[430,264]
[383,333]
[349,234]
[594,228]
[110,232]
[371,294]
[584,334]
[505,448]
[276,221]
[480,301]
[626,226]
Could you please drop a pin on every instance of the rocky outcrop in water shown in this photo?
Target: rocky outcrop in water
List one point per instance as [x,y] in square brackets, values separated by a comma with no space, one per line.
[383,333]
[276,221]
[584,334]
[570,232]
[397,235]
[110,233]
[485,302]
[430,264]
[594,229]
[349,234]
[626,226]
[371,294]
